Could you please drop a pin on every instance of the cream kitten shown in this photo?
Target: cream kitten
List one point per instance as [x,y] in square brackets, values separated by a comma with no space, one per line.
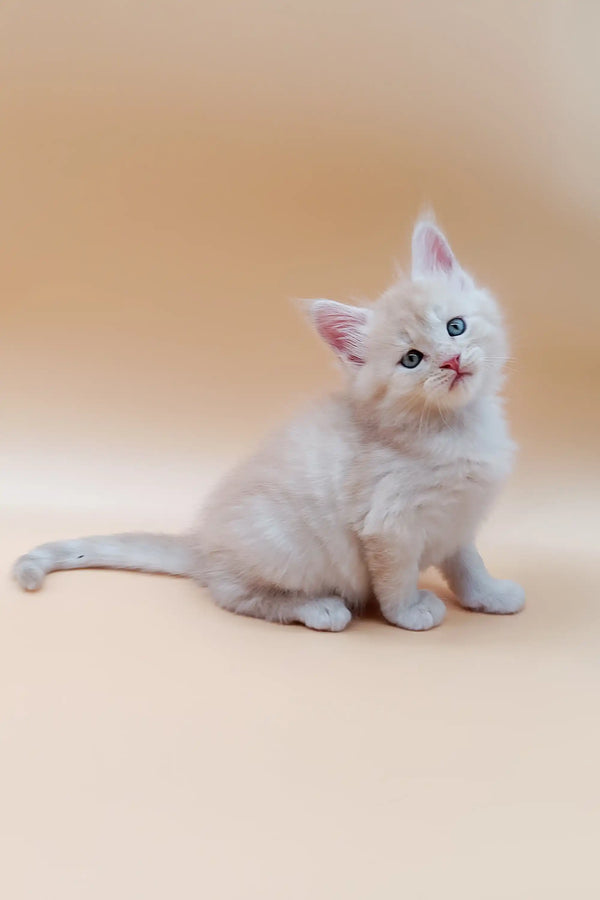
[354,498]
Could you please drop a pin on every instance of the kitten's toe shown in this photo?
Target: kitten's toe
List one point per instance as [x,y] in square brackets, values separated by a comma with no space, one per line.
[501,597]
[426,612]
[29,573]
[327,614]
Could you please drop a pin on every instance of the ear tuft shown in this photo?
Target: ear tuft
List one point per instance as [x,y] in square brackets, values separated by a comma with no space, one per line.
[343,328]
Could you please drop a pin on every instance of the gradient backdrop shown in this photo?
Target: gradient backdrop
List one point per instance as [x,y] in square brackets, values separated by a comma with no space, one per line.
[172,175]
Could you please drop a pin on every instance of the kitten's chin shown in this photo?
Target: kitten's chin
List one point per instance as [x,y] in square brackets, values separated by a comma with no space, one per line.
[458,392]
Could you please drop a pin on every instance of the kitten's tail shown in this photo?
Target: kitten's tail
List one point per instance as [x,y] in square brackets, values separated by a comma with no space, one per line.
[165,553]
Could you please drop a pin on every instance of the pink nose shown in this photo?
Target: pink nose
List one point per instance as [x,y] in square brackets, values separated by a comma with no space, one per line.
[453,363]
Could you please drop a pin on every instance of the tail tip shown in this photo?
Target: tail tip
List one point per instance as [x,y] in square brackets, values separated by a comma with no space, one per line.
[29,573]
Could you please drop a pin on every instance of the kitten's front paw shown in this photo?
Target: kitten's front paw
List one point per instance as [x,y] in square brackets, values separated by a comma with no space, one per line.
[499,596]
[425,612]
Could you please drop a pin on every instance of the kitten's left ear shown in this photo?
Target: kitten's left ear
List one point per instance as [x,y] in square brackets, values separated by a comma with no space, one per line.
[432,254]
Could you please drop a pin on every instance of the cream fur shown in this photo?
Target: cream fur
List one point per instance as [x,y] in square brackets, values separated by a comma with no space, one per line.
[358,495]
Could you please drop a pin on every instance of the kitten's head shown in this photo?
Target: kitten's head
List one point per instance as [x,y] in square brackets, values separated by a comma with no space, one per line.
[435,340]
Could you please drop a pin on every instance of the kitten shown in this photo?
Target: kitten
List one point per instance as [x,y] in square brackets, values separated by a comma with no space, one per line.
[354,498]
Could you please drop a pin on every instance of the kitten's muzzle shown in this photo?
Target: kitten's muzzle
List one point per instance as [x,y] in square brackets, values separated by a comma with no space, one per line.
[454,365]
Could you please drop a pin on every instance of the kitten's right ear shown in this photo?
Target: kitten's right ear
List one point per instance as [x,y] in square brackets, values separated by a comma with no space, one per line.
[343,328]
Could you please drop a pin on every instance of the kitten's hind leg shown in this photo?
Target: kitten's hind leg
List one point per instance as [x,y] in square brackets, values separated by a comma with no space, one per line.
[321,613]
[324,614]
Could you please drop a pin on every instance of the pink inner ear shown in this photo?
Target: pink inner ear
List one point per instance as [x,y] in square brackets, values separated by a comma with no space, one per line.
[439,254]
[342,328]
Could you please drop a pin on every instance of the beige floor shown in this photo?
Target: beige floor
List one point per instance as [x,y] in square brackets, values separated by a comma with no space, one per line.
[172,174]
[154,746]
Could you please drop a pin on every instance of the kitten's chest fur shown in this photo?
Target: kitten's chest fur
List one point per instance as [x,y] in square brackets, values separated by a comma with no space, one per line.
[436,485]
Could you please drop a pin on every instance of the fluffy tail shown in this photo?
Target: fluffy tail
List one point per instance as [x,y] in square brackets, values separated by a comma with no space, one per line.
[165,553]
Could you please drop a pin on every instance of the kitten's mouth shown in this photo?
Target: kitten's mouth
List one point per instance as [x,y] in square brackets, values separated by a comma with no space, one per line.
[458,376]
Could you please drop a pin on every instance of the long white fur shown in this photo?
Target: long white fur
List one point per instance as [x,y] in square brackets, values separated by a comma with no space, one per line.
[355,497]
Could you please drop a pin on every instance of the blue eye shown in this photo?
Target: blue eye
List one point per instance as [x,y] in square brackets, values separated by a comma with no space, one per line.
[456,326]
[411,359]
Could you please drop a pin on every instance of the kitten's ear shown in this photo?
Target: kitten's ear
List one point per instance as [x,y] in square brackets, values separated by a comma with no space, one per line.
[432,254]
[344,328]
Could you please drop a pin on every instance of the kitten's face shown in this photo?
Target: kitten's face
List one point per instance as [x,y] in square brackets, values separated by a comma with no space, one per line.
[432,342]
[435,341]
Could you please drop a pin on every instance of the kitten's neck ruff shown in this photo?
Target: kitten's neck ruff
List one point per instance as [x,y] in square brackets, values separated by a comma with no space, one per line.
[408,425]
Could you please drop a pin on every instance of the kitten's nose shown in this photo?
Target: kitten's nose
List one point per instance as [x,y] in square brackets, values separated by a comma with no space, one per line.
[453,363]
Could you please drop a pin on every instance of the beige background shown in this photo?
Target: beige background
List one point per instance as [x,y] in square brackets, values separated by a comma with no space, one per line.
[172,175]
